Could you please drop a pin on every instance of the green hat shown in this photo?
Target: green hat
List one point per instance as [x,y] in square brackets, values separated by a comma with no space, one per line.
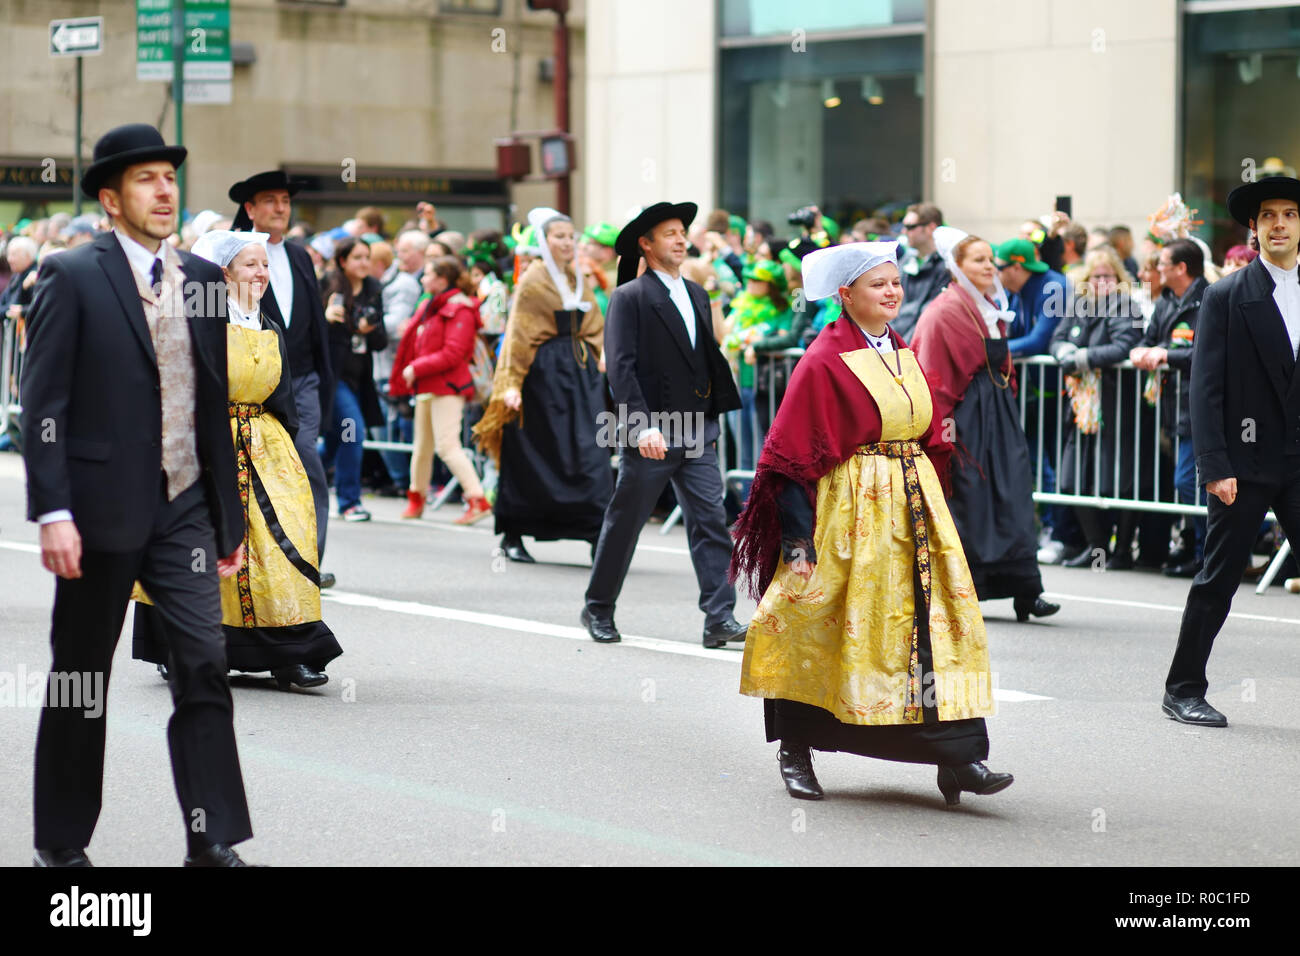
[602,233]
[1018,252]
[765,270]
[737,224]
[831,226]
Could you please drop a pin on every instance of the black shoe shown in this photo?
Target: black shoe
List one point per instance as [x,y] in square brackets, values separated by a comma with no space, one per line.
[973,778]
[300,675]
[61,858]
[1188,569]
[162,672]
[1035,606]
[601,629]
[1083,559]
[729,630]
[1193,710]
[513,547]
[219,854]
[327,580]
[797,772]
[1120,562]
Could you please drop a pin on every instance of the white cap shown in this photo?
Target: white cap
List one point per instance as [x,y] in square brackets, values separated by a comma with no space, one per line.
[204,221]
[222,245]
[825,270]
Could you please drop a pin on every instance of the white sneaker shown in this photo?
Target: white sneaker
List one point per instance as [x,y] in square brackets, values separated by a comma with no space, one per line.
[1051,553]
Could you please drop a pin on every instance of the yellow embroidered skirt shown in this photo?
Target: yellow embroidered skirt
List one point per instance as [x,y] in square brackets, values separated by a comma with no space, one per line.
[846,639]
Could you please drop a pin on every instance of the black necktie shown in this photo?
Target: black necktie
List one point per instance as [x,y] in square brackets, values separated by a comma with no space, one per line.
[155,277]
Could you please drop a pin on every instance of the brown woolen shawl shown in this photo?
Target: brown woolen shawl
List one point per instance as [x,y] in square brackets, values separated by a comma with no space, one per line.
[530,325]
[825,415]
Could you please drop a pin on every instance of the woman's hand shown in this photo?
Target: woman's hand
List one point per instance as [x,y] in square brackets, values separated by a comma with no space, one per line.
[408,374]
[334,313]
[364,327]
[514,401]
[600,364]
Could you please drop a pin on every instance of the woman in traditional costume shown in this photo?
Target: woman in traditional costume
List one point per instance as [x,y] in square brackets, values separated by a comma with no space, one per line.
[548,395]
[868,637]
[961,344]
[270,609]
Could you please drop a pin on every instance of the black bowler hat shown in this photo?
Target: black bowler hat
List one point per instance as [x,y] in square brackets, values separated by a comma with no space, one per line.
[626,245]
[246,189]
[126,146]
[1244,201]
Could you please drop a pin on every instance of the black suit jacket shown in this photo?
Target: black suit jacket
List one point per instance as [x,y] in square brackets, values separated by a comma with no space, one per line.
[300,264]
[1245,403]
[648,355]
[92,411]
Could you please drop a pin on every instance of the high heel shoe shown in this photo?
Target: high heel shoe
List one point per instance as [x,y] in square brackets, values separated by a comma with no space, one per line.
[1036,606]
[797,772]
[973,778]
[513,547]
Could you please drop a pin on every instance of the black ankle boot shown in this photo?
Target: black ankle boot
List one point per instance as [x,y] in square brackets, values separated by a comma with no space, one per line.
[973,778]
[797,772]
[1035,605]
[513,547]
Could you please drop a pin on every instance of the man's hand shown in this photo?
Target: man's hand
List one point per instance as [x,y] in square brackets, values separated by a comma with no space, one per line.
[652,445]
[228,566]
[1225,489]
[514,401]
[61,549]
[1138,355]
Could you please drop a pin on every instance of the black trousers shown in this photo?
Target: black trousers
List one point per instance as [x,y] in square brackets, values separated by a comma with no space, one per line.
[178,568]
[1229,536]
[306,396]
[698,485]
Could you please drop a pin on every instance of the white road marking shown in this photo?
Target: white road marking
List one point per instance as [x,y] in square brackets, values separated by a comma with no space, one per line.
[1172,608]
[21,546]
[526,626]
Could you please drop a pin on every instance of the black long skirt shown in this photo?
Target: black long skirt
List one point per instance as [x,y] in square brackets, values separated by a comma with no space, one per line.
[934,741]
[555,478]
[249,649]
[992,501]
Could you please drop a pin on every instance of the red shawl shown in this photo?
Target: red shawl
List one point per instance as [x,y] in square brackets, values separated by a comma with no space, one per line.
[825,415]
[949,347]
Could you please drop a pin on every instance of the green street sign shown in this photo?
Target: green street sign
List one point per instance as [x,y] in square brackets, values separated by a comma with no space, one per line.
[207,40]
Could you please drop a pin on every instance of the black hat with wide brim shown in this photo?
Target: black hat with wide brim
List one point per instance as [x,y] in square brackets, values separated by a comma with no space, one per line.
[244,191]
[626,245]
[127,146]
[1245,200]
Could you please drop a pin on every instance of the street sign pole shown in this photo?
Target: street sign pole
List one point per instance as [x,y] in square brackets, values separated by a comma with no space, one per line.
[178,92]
[76,149]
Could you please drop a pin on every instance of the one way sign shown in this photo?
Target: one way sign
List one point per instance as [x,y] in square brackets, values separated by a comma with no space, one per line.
[83,36]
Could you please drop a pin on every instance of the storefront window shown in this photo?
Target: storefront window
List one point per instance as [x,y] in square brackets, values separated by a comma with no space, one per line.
[766,17]
[839,126]
[1242,79]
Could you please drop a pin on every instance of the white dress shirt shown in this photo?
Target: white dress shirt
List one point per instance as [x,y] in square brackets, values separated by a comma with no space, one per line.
[277,260]
[1286,293]
[245,320]
[881,343]
[141,260]
[682,299]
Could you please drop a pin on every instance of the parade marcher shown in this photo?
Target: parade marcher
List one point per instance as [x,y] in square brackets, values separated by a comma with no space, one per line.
[868,637]
[293,302]
[960,343]
[355,312]
[270,608]
[433,365]
[129,372]
[1243,371]
[541,426]
[670,382]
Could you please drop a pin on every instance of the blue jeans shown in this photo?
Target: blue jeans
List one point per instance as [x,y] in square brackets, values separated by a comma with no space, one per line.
[345,450]
[396,429]
[1185,483]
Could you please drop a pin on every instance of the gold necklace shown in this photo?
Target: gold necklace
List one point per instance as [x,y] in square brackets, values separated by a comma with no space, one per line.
[897,373]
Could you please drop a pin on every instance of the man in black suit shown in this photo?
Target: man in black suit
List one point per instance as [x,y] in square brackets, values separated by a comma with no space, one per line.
[1245,426]
[294,303]
[670,382]
[131,474]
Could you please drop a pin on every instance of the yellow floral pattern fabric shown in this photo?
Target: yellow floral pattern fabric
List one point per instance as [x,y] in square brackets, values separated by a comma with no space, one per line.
[844,639]
[267,591]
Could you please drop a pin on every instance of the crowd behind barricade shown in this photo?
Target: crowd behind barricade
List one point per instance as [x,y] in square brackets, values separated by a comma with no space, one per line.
[1100,326]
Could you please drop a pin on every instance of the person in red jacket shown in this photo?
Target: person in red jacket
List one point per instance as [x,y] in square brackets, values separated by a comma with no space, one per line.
[432,364]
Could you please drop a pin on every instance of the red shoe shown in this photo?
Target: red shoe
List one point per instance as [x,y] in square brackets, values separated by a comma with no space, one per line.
[475,509]
[414,505]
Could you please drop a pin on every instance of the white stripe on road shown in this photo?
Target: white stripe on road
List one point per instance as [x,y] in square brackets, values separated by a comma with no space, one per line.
[20,546]
[526,626]
[1173,608]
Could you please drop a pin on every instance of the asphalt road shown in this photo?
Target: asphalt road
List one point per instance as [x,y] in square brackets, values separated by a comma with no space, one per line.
[470,721]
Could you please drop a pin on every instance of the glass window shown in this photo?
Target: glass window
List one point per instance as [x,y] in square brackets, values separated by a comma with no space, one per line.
[765,17]
[1241,81]
[839,126]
